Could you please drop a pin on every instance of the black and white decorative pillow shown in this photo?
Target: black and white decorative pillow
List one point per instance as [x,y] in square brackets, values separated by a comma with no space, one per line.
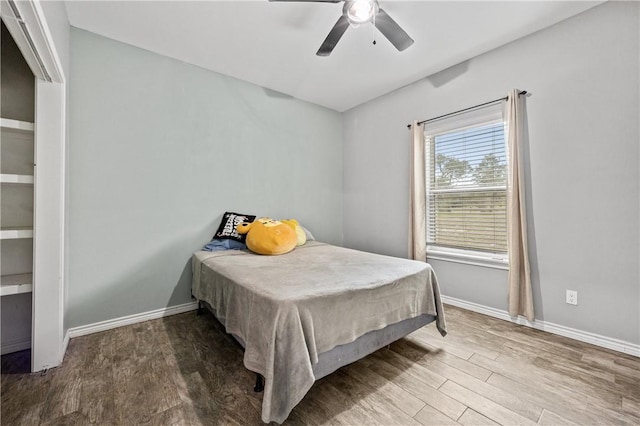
[227,228]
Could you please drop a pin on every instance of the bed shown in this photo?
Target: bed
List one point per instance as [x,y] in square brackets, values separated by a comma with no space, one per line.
[303,315]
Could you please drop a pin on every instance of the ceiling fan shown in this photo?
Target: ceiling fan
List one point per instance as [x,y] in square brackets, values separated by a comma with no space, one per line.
[356,12]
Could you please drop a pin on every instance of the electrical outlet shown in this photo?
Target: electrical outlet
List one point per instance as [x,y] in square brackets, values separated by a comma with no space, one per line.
[572,297]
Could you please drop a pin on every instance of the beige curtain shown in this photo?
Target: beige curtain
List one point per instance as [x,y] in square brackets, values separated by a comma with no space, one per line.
[519,278]
[417,196]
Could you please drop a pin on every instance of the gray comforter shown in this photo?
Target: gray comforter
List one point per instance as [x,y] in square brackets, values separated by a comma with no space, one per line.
[287,309]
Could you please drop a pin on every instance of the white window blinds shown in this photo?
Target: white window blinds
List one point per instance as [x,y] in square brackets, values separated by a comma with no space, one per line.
[466,183]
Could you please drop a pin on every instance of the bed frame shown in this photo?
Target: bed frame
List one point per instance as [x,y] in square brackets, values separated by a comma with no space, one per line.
[302,340]
[342,355]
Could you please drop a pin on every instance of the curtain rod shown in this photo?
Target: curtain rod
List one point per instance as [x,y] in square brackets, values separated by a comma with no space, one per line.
[524,92]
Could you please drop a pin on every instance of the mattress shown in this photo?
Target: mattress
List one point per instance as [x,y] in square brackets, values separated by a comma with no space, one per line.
[290,310]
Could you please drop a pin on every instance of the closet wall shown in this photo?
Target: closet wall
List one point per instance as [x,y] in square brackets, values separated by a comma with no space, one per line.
[17,106]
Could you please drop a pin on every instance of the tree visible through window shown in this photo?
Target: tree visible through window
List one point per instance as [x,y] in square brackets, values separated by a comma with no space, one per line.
[466,188]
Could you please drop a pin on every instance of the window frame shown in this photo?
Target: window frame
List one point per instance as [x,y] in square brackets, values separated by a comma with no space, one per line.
[489,115]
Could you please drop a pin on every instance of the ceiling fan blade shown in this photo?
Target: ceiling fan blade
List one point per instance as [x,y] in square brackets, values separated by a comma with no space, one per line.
[392,31]
[334,37]
[312,1]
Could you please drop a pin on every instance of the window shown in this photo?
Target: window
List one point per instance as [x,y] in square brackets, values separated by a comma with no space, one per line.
[466,182]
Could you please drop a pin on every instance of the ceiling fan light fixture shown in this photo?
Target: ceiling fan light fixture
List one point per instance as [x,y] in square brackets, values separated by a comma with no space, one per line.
[360,11]
[356,12]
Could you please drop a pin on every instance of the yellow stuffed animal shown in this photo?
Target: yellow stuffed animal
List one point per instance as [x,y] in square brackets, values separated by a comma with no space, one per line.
[302,237]
[268,236]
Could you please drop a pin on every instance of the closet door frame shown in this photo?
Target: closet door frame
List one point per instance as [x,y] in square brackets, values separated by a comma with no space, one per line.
[27,24]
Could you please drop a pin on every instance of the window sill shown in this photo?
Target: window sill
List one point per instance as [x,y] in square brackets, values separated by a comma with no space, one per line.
[484,260]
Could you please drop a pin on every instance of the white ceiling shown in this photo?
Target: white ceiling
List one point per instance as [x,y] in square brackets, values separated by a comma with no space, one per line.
[273,44]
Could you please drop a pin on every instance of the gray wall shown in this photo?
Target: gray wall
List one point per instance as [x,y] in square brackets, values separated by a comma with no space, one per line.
[583,177]
[17,83]
[158,151]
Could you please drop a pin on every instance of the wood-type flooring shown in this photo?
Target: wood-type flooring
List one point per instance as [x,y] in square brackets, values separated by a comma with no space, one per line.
[183,370]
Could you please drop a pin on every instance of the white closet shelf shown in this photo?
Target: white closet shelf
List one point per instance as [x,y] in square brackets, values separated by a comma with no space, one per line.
[20,179]
[23,126]
[16,284]
[15,233]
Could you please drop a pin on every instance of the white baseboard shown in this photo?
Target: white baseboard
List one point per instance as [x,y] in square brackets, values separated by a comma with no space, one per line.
[130,319]
[561,330]
[572,333]
[15,346]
